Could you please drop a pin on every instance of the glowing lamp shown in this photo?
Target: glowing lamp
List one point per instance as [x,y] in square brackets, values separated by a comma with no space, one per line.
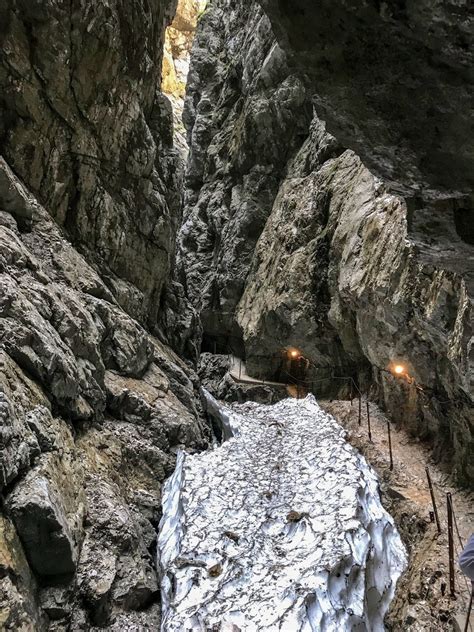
[293,353]
[399,369]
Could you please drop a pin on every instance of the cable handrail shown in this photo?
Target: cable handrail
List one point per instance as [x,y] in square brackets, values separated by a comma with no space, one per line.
[324,379]
[301,382]
[459,398]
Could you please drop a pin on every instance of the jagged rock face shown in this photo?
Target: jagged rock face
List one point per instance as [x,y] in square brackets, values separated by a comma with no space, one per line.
[177,53]
[178,320]
[245,116]
[338,274]
[84,126]
[92,406]
[178,43]
[344,269]
[394,82]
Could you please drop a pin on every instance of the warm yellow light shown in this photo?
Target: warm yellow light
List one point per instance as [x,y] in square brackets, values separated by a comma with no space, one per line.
[293,353]
[399,369]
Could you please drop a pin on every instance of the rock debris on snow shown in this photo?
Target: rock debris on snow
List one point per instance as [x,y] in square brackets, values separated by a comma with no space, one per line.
[281,526]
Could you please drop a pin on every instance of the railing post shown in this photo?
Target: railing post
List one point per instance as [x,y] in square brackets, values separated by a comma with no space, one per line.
[389,432]
[368,421]
[352,397]
[450,545]
[360,408]
[433,499]
[469,611]
[240,368]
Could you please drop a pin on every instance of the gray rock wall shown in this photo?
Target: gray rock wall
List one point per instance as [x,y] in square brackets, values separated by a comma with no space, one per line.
[338,274]
[245,115]
[84,126]
[93,406]
[92,409]
[333,260]
[393,80]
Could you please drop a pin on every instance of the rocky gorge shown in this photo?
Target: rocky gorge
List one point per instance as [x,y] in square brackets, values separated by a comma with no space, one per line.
[319,212]
[325,205]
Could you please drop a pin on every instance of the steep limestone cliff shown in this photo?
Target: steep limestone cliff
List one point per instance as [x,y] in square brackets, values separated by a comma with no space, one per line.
[338,274]
[333,260]
[176,58]
[84,126]
[246,115]
[178,43]
[93,406]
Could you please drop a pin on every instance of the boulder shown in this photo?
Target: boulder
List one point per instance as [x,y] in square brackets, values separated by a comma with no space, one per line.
[46,508]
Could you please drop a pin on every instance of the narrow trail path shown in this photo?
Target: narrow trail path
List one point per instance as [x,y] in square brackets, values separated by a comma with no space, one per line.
[280,528]
[239,373]
[408,479]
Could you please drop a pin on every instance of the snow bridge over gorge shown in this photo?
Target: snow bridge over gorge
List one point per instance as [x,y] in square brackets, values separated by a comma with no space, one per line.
[280,528]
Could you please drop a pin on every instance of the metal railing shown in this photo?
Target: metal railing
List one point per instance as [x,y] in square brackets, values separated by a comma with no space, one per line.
[304,386]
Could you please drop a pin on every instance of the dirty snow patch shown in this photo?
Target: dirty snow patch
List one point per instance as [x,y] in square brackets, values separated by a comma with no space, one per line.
[280,528]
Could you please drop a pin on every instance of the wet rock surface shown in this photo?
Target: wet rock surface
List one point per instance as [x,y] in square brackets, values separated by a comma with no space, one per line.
[84,127]
[393,81]
[93,408]
[245,115]
[280,528]
[338,273]
[18,588]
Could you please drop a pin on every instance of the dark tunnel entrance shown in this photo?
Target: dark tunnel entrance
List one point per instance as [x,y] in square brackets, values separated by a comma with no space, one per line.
[464,222]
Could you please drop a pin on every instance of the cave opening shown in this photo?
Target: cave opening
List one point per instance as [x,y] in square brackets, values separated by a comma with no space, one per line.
[214,344]
[223,343]
[464,223]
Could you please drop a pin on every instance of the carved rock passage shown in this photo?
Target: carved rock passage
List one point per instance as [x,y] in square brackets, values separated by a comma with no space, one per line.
[280,528]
